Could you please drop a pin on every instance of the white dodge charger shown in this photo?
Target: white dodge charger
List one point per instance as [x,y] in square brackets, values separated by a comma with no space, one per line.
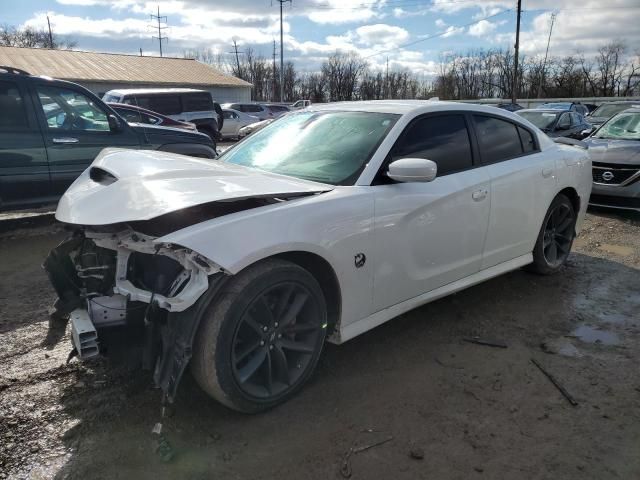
[325,224]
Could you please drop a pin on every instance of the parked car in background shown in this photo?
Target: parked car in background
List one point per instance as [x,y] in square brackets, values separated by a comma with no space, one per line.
[558,123]
[591,107]
[133,114]
[254,127]
[570,106]
[276,109]
[253,109]
[51,131]
[607,110]
[615,152]
[510,107]
[301,104]
[182,104]
[324,225]
[234,121]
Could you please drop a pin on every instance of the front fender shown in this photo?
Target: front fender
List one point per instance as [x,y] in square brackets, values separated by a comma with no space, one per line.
[335,225]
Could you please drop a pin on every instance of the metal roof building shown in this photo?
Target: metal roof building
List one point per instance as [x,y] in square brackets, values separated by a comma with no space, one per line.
[100,72]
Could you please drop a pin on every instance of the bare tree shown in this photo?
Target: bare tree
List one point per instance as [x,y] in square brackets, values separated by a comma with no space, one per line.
[11,36]
[343,73]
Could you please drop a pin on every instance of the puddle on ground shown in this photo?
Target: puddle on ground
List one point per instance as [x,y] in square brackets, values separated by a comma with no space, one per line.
[588,334]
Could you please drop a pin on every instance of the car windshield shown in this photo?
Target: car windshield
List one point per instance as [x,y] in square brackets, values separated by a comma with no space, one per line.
[624,126]
[542,120]
[327,147]
[609,110]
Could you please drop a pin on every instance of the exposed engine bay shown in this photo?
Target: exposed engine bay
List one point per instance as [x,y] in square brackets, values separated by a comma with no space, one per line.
[109,280]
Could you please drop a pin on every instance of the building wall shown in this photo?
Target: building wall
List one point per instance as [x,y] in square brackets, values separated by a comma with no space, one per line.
[219,94]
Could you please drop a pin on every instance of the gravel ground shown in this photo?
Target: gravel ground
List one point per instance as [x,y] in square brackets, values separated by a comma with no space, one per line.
[470,411]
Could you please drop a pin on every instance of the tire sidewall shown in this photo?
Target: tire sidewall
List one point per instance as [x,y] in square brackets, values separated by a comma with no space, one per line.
[233,304]
[540,263]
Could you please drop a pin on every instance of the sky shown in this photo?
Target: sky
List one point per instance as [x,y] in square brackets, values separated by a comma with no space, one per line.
[409,34]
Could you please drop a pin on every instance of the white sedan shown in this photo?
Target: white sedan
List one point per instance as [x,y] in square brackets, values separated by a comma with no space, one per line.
[320,227]
[234,121]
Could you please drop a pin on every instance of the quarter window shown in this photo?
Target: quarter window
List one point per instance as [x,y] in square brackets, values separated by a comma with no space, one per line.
[443,139]
[498,139]
[12,110]
[528,143]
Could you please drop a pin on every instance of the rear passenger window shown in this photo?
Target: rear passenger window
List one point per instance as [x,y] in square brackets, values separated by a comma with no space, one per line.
[165,104]
[197,102]
[528,143]
[12,110]
[443,139]
[498,139]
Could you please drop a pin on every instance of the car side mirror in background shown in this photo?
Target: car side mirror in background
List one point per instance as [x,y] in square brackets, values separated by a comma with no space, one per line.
[412,170]
[114,123]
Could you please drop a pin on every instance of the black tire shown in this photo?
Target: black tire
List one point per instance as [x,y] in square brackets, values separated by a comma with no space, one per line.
[556,237]
[292,314]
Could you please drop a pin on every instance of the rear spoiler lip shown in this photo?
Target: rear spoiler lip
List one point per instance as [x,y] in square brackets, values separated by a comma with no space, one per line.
[572,142]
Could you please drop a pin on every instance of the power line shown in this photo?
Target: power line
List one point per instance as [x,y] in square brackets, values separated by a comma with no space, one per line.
[160,28]
[437,34]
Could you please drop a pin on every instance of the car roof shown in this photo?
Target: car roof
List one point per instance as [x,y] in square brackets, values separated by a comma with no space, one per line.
[621,102]
[543,110]
[631,110]
[142,91]
[403,107]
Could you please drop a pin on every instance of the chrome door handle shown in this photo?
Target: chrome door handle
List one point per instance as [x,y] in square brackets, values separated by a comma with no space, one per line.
[479,195]
[547,172]
[65,140]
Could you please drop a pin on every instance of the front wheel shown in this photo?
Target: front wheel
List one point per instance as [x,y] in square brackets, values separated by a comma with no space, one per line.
[261,338]
[555,238]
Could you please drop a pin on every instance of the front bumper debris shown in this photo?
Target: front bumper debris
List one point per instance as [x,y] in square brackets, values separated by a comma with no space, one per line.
[127,280]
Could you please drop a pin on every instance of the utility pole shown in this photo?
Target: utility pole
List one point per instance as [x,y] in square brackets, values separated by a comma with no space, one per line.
[160,28]
[50,34]
[514,89]
[237,53]
[140,51]
[544,64]
[274,71]
[281,2]
[386,81]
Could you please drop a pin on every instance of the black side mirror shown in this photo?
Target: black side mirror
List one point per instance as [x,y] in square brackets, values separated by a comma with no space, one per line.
[115,125]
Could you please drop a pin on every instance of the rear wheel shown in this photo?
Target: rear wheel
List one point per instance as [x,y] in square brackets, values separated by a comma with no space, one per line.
[260,340]
[555,238]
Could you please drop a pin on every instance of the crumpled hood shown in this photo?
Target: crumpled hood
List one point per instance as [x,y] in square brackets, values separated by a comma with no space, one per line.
[614,151]
[129,185]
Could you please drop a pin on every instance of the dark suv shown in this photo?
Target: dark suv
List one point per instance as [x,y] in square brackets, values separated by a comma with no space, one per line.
[51,130]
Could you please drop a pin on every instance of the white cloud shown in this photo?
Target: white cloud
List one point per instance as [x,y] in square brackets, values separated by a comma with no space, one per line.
[482,28]
[381,34]
[451,31]
[440,23]
[343,11]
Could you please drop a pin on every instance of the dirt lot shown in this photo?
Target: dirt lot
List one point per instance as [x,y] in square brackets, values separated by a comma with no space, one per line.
[473,411]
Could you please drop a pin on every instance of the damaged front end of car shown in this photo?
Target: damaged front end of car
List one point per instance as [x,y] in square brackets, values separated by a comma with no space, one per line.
[110,279]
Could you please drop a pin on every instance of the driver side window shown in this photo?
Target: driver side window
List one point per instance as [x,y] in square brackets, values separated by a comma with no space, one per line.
[443,139]
[70,111]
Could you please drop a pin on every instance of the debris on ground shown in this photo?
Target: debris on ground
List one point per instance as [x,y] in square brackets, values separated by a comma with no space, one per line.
[555,382]
[345,470]
[487,343]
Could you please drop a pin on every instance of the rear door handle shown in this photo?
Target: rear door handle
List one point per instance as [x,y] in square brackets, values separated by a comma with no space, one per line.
[547,172]
[479,195]
[65,140]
